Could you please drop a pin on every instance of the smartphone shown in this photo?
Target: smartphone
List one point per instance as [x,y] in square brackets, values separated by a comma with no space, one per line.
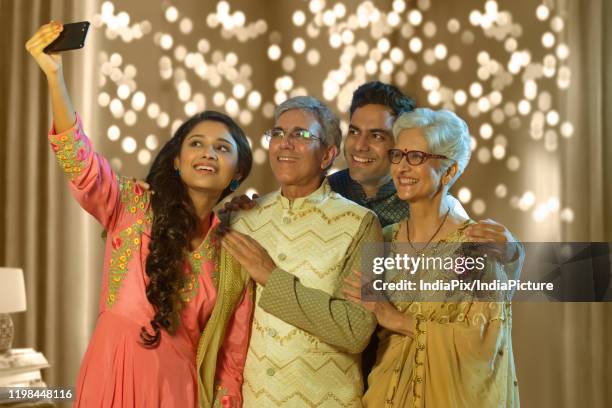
[72,37]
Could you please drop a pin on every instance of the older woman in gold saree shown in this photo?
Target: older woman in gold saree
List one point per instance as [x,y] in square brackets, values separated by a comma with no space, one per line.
[450,350]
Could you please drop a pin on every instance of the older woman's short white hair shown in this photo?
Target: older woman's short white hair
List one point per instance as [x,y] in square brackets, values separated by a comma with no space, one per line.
[446,133]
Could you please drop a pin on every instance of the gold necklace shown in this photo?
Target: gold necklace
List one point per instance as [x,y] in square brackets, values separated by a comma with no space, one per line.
[430,239]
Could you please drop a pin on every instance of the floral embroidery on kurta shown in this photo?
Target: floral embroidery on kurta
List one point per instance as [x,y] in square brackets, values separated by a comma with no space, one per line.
[222,400]
[190,281]
[71,152]
[132,195]
[210,246]
[124,245]
[128,240]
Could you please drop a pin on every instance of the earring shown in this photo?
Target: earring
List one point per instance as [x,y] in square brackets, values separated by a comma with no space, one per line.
[177,172]
[234,184]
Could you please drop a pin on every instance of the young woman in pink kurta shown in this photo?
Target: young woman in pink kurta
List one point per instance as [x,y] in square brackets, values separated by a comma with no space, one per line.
[148,347]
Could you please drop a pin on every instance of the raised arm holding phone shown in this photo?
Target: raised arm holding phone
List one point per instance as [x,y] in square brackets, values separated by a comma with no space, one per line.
[175,308]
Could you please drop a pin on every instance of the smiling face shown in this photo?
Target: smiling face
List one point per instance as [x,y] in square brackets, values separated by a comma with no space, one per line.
[299,166]
[209,157]
[422,182]
[365,148]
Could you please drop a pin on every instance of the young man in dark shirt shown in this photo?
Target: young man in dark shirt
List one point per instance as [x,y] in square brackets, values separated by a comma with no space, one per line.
[367,179]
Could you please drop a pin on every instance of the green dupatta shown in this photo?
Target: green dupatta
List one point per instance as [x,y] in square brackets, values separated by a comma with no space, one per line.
[232,282]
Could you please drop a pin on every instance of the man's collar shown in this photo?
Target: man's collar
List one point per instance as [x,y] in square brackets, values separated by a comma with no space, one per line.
[313,198]
[385,191]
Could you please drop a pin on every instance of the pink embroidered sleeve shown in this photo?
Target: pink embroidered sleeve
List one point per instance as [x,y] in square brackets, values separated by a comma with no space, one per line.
[92,181]
[232,356]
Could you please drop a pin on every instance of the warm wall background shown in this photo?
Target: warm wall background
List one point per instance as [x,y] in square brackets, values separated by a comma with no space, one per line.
[531,78]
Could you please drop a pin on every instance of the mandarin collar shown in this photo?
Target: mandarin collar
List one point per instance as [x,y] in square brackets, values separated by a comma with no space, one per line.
[314,198]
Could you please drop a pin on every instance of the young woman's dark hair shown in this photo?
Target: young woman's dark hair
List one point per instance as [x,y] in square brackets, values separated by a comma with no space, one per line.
[175,223]
[379,93]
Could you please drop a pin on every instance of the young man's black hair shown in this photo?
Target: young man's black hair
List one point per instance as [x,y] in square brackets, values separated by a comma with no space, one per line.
[379,93]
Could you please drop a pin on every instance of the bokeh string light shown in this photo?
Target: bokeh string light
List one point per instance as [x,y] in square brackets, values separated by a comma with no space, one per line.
[511,73]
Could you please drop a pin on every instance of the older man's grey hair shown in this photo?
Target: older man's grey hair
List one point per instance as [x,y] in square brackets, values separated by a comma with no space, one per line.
[446,133]
[330,125]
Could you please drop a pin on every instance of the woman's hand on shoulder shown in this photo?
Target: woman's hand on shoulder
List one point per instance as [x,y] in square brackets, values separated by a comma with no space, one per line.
[238,203]
[494,239]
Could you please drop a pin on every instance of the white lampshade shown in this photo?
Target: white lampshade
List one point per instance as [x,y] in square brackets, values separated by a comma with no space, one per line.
[12,290]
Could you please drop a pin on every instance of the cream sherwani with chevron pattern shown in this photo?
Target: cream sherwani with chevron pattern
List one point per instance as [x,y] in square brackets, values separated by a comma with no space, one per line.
[306,339]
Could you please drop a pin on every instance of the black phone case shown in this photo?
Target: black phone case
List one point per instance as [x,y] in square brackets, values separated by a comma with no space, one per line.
[72,37]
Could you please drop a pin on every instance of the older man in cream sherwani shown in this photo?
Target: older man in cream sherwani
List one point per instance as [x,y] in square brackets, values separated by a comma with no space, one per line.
[298,244]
